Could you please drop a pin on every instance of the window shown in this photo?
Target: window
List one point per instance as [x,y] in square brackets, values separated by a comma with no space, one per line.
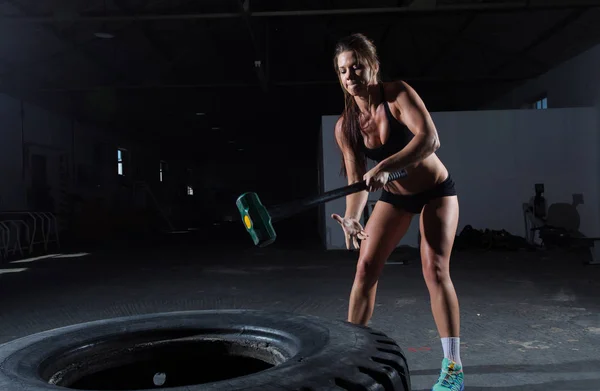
[541,104]
[120,161]
[190,175]
[162,169]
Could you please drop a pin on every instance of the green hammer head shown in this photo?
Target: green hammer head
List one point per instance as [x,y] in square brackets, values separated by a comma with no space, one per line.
[256,219]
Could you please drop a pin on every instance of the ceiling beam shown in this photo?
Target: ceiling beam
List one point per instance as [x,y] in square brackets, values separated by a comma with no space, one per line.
[487,47]
[299,83]
[448,44]
[25,10]
[260,56]
[480,7]
[146,33]
[422,4]
[543,37]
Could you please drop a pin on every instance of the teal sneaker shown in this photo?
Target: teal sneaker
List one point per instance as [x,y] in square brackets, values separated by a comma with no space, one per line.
[451,378]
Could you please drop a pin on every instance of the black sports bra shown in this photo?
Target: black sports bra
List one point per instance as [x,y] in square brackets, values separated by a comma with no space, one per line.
[399,136]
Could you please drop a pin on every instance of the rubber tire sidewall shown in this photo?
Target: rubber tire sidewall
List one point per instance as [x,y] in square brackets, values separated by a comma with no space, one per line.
[327,349]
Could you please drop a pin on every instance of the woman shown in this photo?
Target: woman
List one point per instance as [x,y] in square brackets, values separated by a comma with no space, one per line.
[388,123]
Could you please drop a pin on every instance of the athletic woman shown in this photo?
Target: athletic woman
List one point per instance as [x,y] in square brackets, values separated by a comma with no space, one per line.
[389,124]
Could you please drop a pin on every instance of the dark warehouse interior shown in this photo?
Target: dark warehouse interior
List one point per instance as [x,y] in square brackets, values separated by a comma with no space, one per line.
[130,128]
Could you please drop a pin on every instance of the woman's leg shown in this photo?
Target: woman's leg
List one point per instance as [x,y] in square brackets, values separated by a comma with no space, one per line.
[439,220]
[438,224]
[386,226]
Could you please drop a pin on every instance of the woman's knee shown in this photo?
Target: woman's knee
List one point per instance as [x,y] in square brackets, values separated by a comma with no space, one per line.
[436,270]
[368,270]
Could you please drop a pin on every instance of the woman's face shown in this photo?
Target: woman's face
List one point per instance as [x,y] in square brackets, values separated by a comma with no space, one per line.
[353,75]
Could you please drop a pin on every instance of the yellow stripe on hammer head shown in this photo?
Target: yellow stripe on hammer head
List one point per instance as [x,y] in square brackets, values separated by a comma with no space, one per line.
[247,222]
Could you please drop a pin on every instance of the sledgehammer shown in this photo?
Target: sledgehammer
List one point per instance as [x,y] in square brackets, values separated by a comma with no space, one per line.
[259,221]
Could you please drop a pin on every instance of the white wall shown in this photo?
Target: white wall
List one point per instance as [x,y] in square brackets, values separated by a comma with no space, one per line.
[495,158]
[574,83]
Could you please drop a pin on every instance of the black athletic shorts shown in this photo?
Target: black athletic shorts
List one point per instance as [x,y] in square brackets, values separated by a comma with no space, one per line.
[414,203]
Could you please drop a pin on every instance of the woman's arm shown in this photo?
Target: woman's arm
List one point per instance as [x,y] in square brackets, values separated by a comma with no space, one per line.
[355,203]
[416,117]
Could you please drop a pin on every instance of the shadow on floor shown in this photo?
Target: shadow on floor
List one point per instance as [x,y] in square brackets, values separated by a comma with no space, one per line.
[560,385]
[556,385]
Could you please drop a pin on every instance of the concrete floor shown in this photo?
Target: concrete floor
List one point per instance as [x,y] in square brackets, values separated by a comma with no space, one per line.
[530,321]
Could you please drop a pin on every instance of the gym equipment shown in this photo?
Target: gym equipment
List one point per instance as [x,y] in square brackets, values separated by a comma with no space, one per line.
[259,221]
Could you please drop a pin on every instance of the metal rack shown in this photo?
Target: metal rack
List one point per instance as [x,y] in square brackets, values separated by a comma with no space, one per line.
[24,232]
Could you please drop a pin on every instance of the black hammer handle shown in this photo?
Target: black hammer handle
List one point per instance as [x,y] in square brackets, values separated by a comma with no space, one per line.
[285,210]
